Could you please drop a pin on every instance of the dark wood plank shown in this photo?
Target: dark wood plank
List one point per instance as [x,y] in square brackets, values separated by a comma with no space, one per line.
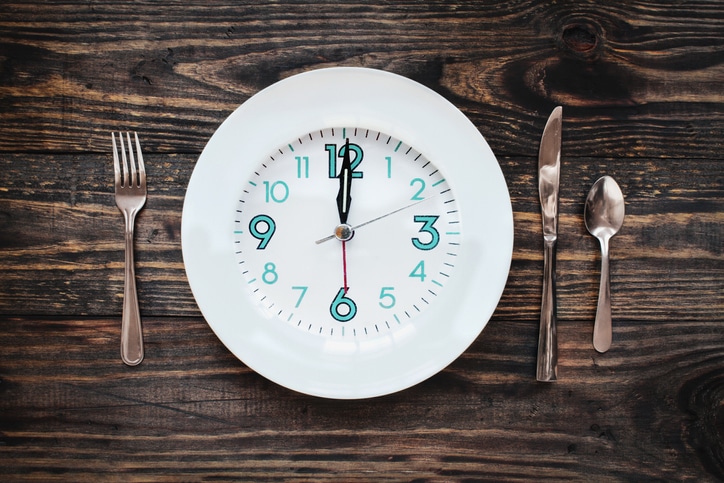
[637,80]
[70,409]
[61,229]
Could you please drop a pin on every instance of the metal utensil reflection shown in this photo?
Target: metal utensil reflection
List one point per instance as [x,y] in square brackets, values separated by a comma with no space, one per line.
[603,214]
[549,170]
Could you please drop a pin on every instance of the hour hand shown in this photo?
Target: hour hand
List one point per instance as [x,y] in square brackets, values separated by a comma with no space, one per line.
[344,197]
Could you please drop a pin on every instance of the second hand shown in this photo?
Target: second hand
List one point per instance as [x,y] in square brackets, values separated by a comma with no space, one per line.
[344,265]
[330,237]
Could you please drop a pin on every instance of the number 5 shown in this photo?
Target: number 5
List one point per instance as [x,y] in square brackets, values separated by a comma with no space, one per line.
[385,293]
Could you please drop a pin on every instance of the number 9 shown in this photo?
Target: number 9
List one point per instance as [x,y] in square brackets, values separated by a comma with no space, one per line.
[268,226]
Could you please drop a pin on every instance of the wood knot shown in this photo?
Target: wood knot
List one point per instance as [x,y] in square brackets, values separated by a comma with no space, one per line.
[581,38]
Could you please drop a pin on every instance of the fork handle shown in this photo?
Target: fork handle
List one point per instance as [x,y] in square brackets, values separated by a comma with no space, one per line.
[131,333]
[547,363]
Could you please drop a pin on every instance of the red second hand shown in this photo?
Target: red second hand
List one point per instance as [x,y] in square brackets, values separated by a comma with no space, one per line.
[344,265]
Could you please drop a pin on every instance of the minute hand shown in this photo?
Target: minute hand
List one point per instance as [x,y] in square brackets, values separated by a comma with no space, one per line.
[327,238]
[344,196]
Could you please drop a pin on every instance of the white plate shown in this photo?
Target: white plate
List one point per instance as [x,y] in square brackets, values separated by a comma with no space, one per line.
[384,102]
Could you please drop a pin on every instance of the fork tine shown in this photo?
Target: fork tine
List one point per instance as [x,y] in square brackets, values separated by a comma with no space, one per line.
[125,161]
[141,166]
[116,162]
[133,181]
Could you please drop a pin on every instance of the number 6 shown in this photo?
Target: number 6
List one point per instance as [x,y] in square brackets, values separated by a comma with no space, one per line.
[341,300]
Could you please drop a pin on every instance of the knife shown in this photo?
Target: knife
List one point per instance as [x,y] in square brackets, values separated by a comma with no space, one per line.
[549,172]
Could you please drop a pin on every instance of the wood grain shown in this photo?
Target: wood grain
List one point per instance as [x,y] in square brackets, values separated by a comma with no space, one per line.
[637,81]
[191,409]
[640,83]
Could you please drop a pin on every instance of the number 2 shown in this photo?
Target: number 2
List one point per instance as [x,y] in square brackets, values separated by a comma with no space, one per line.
[418,195]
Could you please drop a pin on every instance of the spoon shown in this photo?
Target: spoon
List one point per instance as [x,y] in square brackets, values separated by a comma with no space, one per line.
[603,213]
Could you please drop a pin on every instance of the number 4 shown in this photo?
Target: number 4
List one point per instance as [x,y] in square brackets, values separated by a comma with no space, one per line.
[419,271]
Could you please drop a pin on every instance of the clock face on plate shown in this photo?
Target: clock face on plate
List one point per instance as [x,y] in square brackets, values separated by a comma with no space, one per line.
[347,233]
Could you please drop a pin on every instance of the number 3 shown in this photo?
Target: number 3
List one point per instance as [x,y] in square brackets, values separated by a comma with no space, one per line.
[427,221]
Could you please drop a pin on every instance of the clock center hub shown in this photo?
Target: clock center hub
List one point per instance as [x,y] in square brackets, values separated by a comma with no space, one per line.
[344,232]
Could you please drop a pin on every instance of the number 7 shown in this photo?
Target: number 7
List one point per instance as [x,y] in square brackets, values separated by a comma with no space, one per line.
[303,290]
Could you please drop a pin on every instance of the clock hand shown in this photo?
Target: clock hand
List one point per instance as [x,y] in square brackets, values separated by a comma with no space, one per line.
[344,198]
[342,230]
[344,266]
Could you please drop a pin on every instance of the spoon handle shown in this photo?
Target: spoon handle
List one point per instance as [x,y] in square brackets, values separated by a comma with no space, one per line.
[547,367]
[602,332]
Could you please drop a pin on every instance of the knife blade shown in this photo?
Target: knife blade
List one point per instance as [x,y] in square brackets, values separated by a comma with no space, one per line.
[549,171]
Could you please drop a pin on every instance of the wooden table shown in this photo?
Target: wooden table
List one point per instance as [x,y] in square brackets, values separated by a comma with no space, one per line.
[641,86]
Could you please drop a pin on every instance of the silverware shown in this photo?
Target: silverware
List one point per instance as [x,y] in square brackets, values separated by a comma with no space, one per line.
[549,164]
[130,197]
[603,214]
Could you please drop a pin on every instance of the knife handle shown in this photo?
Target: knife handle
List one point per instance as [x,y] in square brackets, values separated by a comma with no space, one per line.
[547,367]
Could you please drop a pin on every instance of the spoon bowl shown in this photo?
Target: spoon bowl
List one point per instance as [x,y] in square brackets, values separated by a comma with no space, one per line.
[603,215]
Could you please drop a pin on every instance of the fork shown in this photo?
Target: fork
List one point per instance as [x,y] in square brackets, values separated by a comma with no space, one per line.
[130,198]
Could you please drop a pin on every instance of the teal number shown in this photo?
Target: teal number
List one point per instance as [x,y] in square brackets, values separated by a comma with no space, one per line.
[303,292]
[356,158]
[343,308]
[427,227]
[418,196]
[302,166]
[265,234]
[332,155]
[389,166]
[419,271]
[386,295]
[278,191]
[270,275]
